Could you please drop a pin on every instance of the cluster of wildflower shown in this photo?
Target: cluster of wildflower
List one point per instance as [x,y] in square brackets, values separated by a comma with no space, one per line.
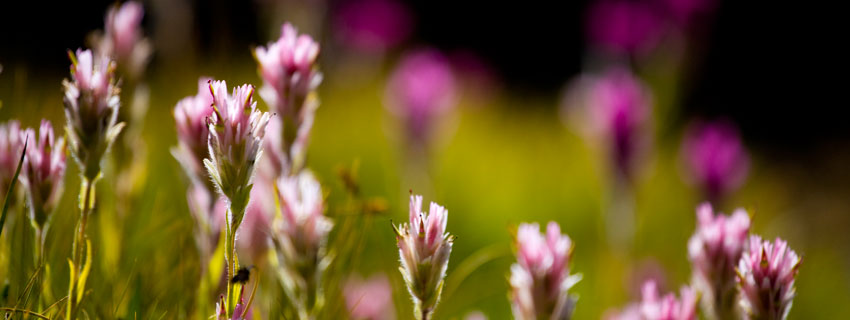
[424,247]
[540,280]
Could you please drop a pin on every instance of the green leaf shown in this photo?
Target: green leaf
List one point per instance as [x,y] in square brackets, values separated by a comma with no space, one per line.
[12,186]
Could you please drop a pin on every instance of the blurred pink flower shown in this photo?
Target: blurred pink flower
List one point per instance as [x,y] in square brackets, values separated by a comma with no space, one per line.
[424,248]
[619,107]
[420,90]
[715,158]
[373,26]
[653,307]
[124,40]
[290,77]
[11,146]
[191,115]
[300,238]
[623,26]
[254,238]
[766,274]
[714,250]
[288,69]
[371,299]
[91,110]
[43,172]
[235,144]
[540,279]
[302,208]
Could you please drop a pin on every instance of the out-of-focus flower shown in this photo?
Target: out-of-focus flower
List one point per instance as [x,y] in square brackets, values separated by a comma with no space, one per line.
[42,173]
[290,77]
[371,299]
[11,146]
[288,69]
[766,274]
[123,40]
[235,145]
[540,279]
[424,247]
[192,115]
[622,26]
[653,307]
[300,238]
[254,238]
[91,110]
[420,90]
[715,158]
[615,107]
[714,250]
[373,26]
[630,312]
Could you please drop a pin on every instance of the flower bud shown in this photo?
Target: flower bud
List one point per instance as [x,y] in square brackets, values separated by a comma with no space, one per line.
[424,247]
[540,279]
[766,274]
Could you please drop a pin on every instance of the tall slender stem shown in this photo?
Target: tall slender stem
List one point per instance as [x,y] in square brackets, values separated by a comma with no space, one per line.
[86,196]
[229,254]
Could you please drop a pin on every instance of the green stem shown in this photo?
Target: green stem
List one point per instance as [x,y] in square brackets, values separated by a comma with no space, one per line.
[229,254]
[86,197]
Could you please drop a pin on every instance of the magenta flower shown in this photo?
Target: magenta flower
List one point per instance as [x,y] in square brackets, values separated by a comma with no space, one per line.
[124,40]
[653,307]
[623,26]
[766,274]
[43,173]
[91,110]
[288,69]
[192,115]
[619,109]
[370,299]
[11,146]
[373,26]
[235,145]
[424,247]
[714,251]
[715,158]
[420,91]
[540,279]
[300,238]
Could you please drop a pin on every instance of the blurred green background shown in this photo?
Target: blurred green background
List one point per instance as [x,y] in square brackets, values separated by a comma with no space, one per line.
[500,159]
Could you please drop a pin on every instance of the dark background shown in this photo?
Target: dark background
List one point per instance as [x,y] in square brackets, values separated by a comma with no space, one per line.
[777,69]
